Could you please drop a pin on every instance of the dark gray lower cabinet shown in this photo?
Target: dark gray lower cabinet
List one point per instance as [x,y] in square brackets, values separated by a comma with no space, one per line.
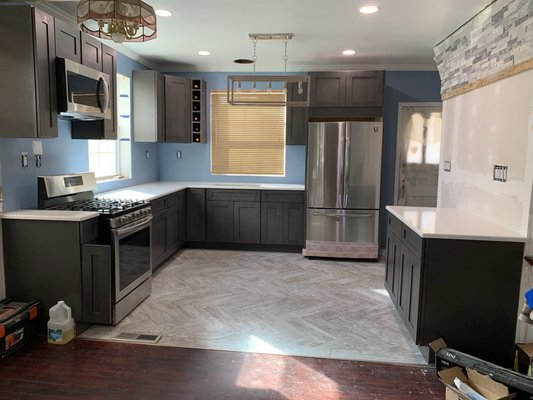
[246,222]
[219,215]
[465,291]
[196,215]
[282,218]
[168,226]
[57,260]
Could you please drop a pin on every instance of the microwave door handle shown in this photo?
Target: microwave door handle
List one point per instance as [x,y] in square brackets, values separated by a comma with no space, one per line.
[103,107]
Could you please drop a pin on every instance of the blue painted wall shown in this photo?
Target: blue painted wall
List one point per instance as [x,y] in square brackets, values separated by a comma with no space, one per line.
[400,86]
[195,162]
[65,155]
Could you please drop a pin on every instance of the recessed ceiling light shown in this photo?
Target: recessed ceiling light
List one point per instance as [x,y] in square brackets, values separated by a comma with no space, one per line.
[163,13]
[348,52]
[370,9]
[204,53]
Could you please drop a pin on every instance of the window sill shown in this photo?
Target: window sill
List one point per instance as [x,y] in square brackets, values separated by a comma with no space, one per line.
[108,179]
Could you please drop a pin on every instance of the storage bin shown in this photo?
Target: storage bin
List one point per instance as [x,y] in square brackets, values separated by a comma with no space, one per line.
[18,325]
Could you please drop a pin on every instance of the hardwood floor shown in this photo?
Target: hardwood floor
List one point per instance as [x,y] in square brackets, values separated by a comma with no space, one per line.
[98,370]
[278,303]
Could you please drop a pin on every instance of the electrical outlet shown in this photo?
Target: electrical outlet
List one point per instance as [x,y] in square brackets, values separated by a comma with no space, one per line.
[178,154]
[447,166]
[500,173]
[147,154]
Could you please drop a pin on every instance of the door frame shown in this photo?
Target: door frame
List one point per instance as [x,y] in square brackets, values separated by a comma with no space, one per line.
[398,139]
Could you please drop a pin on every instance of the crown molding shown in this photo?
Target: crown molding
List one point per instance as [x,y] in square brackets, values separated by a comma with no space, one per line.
[58,13]
[303,68]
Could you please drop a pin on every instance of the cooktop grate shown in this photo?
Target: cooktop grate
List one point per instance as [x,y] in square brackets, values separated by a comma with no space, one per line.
[137,337]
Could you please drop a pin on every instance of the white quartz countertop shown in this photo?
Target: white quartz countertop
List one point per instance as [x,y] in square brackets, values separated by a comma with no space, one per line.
[153,190]
[452,223]
[50,215]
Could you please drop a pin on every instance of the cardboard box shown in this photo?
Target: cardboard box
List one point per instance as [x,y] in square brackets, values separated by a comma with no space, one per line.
[523,358]
[482,384]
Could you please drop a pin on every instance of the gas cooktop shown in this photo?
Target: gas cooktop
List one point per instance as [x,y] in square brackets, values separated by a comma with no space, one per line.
[110,207]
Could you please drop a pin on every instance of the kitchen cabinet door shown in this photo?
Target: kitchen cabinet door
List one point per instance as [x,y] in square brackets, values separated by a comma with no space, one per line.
[182,216]
[172,230]
[297,118]
[219,215]
[91,51]
[68,44]
[293,223]
[392,268]
[364,89]
[271,223]
[109,66]
[328,89]
[45,58]
[177,109]
[159,242]
[411,316]
[196,215]
[97,290]
[405,276]
[246,222]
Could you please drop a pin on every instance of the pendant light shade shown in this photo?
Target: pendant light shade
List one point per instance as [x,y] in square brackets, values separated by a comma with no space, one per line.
[119,20]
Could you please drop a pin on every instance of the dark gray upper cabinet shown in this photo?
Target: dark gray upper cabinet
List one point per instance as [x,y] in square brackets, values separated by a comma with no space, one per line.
[91,51]
[68,43]
[364,89]
[161,107]
[196,215]
[347,89]
[177,109]
[297,118]
[28,74]
[328,89]
[109,66]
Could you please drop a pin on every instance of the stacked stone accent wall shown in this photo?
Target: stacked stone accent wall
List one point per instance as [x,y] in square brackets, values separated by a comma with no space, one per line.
[499,38]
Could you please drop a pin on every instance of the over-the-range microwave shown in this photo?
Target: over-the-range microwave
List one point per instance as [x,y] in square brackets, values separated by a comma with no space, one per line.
[82,92]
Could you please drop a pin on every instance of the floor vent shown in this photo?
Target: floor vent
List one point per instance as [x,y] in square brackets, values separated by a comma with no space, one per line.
[137,337]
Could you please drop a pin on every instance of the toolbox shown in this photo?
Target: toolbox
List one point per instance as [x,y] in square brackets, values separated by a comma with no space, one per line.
[19,325]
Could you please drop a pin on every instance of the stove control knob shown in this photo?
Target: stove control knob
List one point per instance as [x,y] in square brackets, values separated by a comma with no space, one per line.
[121,220]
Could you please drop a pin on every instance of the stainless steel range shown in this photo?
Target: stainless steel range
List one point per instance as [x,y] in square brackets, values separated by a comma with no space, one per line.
[124,224]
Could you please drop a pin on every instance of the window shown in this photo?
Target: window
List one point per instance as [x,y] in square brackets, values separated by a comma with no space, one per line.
[111,159]
[247,140]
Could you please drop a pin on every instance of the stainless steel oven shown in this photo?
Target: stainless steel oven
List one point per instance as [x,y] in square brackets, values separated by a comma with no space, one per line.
[132,256]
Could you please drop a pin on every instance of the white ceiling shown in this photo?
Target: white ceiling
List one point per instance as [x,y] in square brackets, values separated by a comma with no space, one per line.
[400,36]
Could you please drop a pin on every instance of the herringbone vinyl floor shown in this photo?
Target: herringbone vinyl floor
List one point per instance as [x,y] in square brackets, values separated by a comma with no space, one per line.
[273,303]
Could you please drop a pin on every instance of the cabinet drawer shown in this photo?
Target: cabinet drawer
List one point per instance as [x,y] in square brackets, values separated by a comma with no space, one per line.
[394,224]
[159,205]
[282,196]
[233,195]
[413,240]
[89,230]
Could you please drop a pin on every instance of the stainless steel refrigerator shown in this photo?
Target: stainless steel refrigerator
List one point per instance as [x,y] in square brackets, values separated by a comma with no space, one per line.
[343,188]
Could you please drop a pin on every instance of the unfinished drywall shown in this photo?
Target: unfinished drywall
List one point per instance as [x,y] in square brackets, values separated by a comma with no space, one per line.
[492,125]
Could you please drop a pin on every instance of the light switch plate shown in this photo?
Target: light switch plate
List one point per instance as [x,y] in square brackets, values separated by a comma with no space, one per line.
[447,166]
[24,159]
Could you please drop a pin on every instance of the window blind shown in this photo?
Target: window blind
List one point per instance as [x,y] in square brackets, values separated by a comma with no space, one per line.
[247,140]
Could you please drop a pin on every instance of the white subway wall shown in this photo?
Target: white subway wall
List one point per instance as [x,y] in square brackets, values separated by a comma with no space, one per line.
[490,125]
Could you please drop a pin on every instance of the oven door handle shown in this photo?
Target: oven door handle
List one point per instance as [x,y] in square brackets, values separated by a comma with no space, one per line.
[127,230]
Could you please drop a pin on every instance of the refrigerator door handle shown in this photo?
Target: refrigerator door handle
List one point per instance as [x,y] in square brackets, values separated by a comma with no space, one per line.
[341,167]
[336,214]
[346,171]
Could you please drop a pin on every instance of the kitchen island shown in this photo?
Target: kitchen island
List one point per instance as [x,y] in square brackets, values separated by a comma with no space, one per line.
[454,275]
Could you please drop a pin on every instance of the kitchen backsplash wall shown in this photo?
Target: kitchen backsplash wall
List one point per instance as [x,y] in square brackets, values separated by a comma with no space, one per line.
[195,162]
[499,37]
[65,155]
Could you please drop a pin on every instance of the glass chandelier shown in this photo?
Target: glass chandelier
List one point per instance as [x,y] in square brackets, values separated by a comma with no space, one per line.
[119,20]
